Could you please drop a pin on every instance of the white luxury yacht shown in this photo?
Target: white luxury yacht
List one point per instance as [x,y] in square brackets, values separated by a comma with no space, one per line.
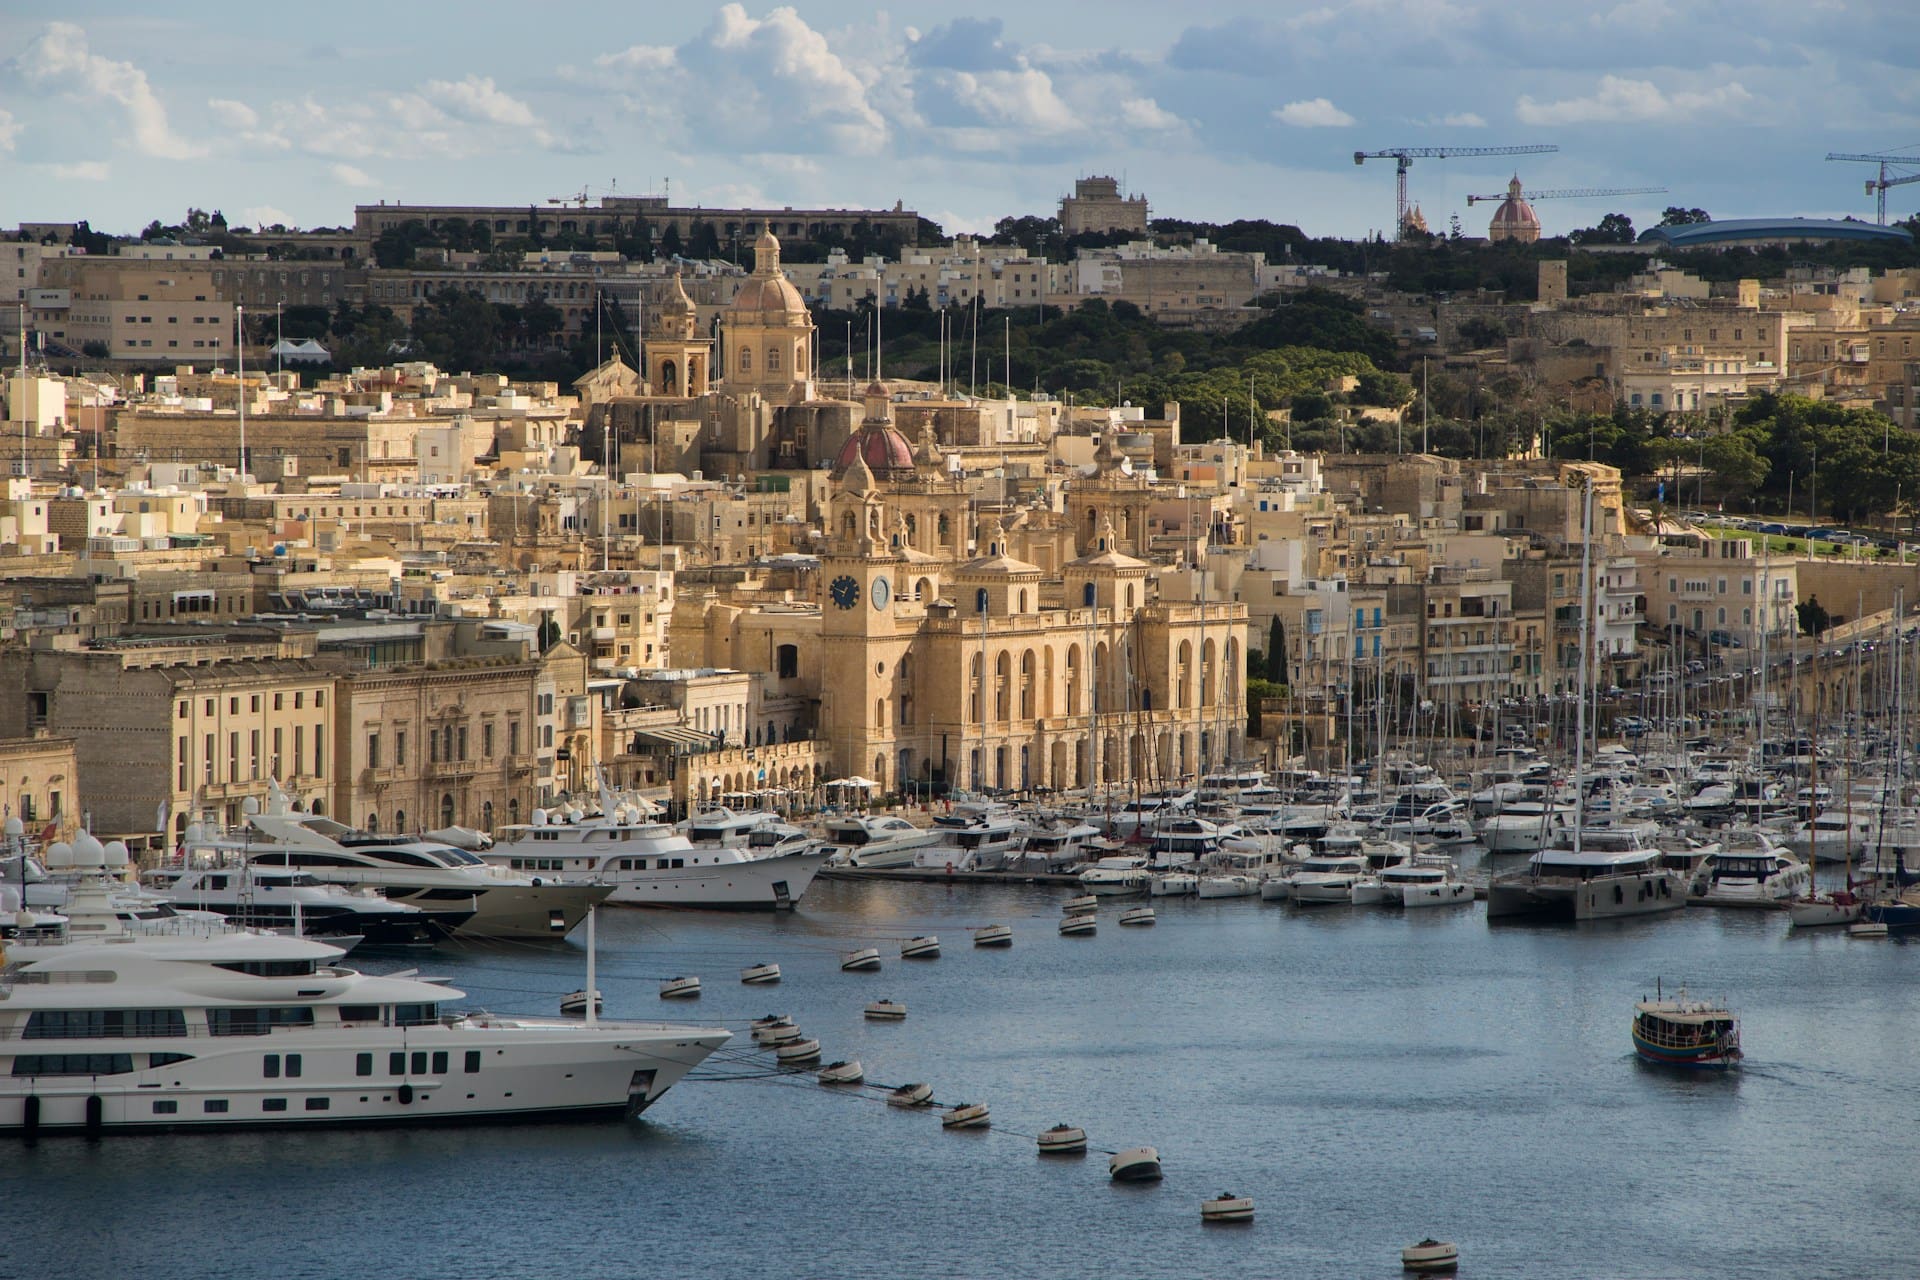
[723,826]
[649,864]
[1609,872]
[1117,876]
[870,841]
[976,836]
[107,1030]
[284,898]
[434,877]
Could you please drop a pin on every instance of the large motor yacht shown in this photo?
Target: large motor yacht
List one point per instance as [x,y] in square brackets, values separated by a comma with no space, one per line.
[649,864]
[872,841]
[285,898]
[107,1030]
[1607,872]
[435,877]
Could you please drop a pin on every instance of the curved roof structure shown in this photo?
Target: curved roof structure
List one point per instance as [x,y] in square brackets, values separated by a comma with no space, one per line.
[1758,231]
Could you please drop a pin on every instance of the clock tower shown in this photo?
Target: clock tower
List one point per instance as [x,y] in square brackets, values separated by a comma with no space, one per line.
[862,643]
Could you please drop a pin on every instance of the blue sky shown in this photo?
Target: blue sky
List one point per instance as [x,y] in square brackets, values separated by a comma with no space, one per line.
[117,113]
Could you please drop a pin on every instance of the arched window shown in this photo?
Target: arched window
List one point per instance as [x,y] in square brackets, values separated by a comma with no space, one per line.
[980,600]
[1073,680]
[1023,599]
[978,693]
[799,357]
[399,819]
[1129,595]
[922,589]
[1086,595]
[1002,677]
[669,379]
[486,815]
[1182,674]
[1207,654]
[945,529]
[1026,685]
[373,822]
[773,359]
[850,526]
[446,809]
[513,810]
[746,360]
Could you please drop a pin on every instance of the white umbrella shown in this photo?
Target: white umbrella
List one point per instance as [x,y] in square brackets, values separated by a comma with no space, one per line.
[856,781]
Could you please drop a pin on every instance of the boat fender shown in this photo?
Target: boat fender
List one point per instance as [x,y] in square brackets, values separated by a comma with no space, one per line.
[949,868]
[30,1118]
[95,1115]
[537,882]
[405,1094]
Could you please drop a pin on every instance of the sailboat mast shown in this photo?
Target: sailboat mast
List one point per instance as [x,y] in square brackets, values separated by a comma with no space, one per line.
[1580,703]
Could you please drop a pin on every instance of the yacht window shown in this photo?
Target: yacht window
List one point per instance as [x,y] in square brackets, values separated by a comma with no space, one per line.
[257,1021]
[165,1107]
[363,1064]
[270,968]
[293,1065]
[419,1062]
[659,864]
[72,1064]
[214,1106]
[359,1013]
[271,1066]
[273,1104]
[167,1059]
[414,1015]
[440,1063]
[97,1024]
[473,1061]
[679,862]
[396,1063]
[318,1104]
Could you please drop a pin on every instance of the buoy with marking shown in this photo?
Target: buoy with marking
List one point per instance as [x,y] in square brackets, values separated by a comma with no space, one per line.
[968,1115]
[911,1095]
[1430,1256]
[886,1011]
[574,1003]
[680,989]
[1138,916]
[993,935]
[1075,925]
[760,974]
[1136,1164]
[865,959]
[1062,1140]
[771,1020]
[795,1052]
[781,1034]
[1080,906]
[922,948]
[1227,1207]
[842,1073]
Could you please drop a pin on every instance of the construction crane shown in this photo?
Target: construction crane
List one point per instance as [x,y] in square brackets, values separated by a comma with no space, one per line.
[1403,158]
[1573,193]
[578,199]
[1878,186]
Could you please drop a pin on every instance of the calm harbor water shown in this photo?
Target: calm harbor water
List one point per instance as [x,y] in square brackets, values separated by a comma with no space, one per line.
[1368,1077]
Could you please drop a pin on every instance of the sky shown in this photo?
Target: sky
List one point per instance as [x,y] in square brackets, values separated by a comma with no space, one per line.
[123,112]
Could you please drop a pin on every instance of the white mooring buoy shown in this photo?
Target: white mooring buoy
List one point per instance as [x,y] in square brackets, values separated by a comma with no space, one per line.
[1227,1207]
[1430,1256]
[1062,1140]
[866,958]
[680,989]
[1136,1164]
[911,1095]
[842,1073]
[968,1115]
[886,1011]
[760,974]
[797,1052]
[925,948]
[1076,926]
[993,935]
[1138,916]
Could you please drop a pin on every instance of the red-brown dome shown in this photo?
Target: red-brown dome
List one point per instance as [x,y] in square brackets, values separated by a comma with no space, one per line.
[882,448]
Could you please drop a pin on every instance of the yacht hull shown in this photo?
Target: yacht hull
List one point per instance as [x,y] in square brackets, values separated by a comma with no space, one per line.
[762,884]
[508,912]
[1600,898]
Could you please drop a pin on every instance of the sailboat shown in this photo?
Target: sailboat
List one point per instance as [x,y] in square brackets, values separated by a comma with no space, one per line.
[1836,906]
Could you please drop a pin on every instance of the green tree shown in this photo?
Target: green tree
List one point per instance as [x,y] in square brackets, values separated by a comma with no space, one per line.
[1276,651]
[1614,228]
[704,241]
[1674,216]
[1813,617]
[670,241]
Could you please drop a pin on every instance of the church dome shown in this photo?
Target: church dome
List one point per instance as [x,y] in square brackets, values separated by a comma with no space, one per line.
[1515,218]
[673,316]
[768,290]
[880,446]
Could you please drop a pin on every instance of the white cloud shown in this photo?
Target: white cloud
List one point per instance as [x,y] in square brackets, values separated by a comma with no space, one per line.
[1618,100]
[267,215]
[59,57]
[478,98]
[9,130]
[233,114]
[1023,98]
[1312,113]
[1145,113]
[641,57]
[81,171]
[348,176]
[1464,120]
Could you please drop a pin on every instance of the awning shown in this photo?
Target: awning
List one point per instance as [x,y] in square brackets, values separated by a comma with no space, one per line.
[676,739]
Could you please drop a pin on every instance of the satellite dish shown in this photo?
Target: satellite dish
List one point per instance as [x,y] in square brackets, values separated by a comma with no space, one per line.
[115,853]
[60,856]
[13,828]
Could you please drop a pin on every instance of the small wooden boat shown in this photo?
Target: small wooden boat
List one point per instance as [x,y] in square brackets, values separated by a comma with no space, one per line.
[1076,925]
[866,958]
[1136,1164]
[886,1011]
[993,935]
[797,1052]
[680,989]
[1696,1034]
[1138,916]
[1062,1140]
[1227,1207]
[574,1004]
[760,974]
[1080,905]
[968,1115]
[927,948]
[911,1095]
[841,1073]
[1430,1256]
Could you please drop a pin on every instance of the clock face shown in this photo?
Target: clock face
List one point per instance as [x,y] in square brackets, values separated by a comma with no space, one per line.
[882,592]
[845,592]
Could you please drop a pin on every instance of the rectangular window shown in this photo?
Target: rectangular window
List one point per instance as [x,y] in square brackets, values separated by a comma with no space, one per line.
[233,756]
[293,1066]
[396,1063]
[253,753]
[463,744]
[165,1107]
[103,1024]
[319,751]
[473,1061]
[373,751]
[273,1104]
[214,1106]
[400,748]
[419,1062]
[257,1021]
[440,1063]
[363,1064]
[180,770]
[299,750]
[270,1066]
[486,741]
[318,1104]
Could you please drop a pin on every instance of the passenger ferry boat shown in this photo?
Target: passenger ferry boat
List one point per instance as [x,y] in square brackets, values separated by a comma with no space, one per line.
[108,1030]
[1610,872]
[1695,1034]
